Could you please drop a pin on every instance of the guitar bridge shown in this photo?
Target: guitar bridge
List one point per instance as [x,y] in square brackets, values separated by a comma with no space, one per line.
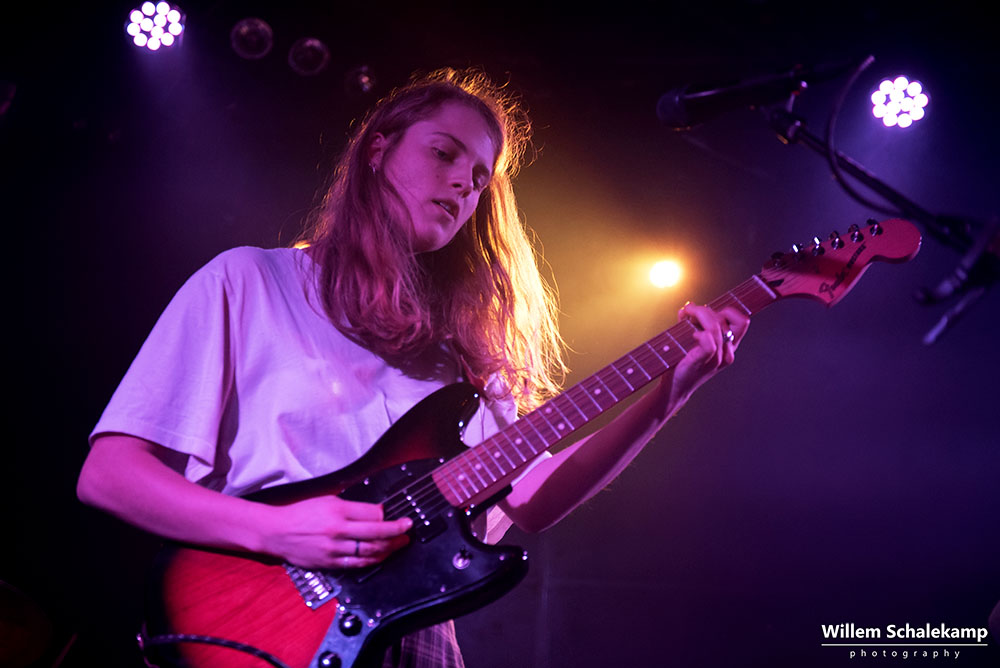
[315,587]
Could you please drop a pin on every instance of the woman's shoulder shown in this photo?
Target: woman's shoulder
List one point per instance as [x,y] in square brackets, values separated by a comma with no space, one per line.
[250,262]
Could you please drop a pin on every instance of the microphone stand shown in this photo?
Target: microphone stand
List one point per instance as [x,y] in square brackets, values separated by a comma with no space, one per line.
[980,265]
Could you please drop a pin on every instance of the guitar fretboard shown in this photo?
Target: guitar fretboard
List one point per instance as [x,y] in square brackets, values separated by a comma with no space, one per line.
[483,470]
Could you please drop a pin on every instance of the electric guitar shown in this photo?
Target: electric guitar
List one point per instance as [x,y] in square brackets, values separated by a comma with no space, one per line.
[216,609]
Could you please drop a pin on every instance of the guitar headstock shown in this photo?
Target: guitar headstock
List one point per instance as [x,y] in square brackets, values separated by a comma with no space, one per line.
[827,270]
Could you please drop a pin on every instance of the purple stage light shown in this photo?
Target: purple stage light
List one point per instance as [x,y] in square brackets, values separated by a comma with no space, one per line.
[153,26]
[899,102]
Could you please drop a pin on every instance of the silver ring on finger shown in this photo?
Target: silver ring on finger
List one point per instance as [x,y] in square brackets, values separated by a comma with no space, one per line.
[357,548]
[730,336]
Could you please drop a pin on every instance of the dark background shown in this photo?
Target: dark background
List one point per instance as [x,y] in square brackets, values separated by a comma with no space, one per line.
[840,472]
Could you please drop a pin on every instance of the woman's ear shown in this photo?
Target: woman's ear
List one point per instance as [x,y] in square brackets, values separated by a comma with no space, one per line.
[376,151]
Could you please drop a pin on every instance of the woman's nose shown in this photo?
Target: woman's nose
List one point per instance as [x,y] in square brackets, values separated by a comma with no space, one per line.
[461,180]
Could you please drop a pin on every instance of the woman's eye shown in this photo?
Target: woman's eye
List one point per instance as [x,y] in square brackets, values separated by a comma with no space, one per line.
[440,154]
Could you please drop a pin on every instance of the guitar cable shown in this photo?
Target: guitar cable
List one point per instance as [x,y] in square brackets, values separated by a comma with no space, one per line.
[146,642]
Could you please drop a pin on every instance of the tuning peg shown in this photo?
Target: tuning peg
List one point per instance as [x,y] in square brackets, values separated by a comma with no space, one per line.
[876,229]
[798,248]
[817,246]
[835,241]
[855,233]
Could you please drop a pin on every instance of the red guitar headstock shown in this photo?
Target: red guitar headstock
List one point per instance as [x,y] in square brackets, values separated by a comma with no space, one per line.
[827,270]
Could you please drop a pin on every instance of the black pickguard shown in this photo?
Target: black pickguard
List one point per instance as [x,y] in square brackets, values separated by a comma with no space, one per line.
[444,572]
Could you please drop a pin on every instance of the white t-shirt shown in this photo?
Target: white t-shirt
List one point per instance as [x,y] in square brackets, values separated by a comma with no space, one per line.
[245,373]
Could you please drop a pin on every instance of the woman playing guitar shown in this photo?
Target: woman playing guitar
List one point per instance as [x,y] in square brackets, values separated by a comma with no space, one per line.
[275,366]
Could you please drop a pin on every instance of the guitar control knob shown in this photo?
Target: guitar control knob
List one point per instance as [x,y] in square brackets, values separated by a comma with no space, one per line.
[462,559]
[835,241]
[330,660]
[350,624]
[817,246]
[855,233]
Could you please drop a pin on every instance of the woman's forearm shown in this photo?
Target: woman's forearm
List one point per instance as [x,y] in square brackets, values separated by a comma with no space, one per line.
[561,483]
[128,477]
[558,485]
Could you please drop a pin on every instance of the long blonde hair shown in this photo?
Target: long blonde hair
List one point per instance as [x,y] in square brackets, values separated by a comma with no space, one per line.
[482,292]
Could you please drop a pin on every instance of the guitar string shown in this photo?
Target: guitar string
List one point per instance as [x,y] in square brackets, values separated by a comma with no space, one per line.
[452,467]
[448,469]
[426,488]
[419,494]
[426,485]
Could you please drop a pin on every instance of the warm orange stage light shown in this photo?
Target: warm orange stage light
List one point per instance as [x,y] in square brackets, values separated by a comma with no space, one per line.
[665,274]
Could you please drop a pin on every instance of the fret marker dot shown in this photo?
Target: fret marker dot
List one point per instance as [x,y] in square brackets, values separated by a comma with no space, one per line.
[461,476]
[478,466]
[496,455]
[597,391]
[629,371]
[666,348]
[518,440]
[561,426]
[548,409]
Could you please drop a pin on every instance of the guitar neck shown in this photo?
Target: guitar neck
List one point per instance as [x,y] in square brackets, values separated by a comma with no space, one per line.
[484,470]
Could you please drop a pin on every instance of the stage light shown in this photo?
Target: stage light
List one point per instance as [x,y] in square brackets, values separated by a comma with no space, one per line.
[899,102]
[152,26]
[251,38]
[665,274]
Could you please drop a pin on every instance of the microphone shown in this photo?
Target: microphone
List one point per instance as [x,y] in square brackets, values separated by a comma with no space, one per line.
[685,107]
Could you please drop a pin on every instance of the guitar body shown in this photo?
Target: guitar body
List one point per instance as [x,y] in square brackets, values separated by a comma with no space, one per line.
[341,618]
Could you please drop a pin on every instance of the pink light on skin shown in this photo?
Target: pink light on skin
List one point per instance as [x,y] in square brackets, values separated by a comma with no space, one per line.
[153,26]
[899,102]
